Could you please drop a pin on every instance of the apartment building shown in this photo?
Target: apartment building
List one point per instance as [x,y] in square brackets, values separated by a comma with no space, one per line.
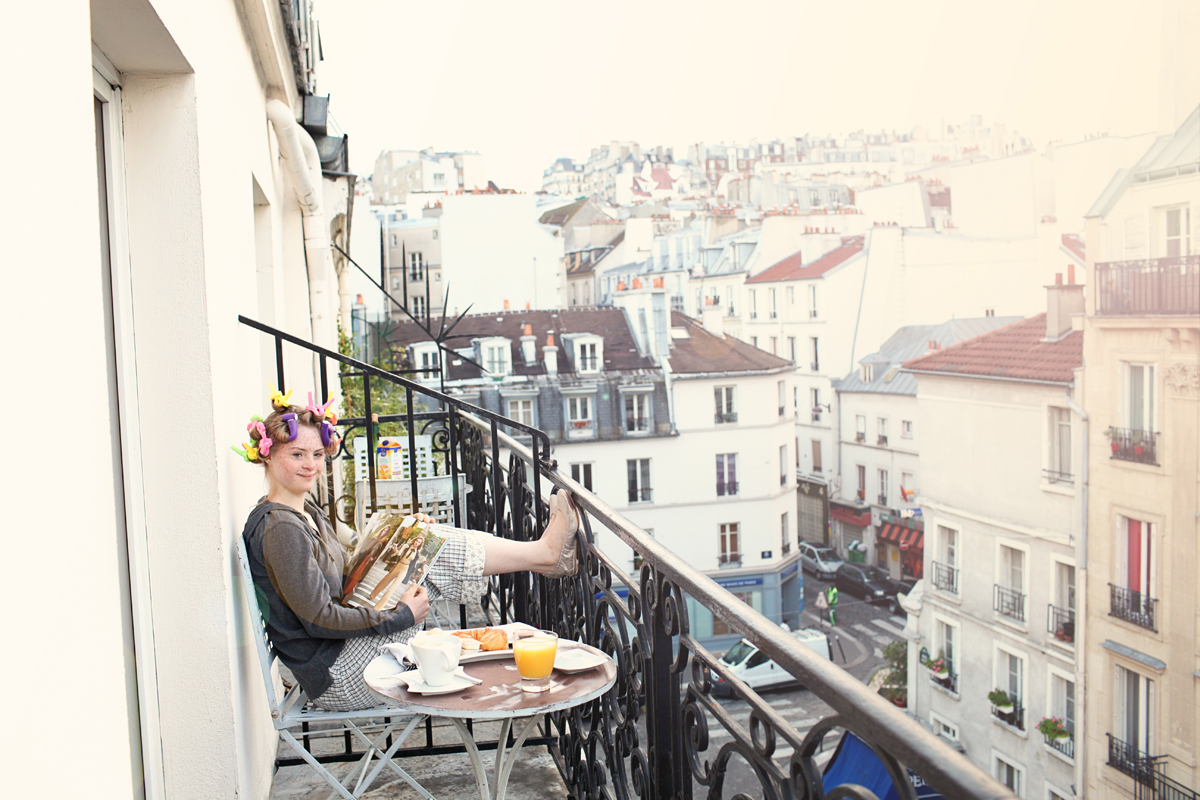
[1142,395]
[688,430]
[401,176]
[995,656]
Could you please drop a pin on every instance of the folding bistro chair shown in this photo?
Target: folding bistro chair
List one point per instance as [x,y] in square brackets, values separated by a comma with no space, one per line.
[296,709]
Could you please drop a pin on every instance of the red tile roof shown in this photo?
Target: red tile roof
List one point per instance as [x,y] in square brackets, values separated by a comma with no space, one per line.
[793,267]
[1014,352]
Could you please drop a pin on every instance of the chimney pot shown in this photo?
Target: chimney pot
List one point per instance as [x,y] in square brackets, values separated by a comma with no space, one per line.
[527,330]
[1071,274]
[359,300]
[506,306]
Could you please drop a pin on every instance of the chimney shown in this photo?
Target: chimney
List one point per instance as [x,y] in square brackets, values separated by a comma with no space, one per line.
[528,345]
[506,306]
[711,317]
[550,353]
[1062,302]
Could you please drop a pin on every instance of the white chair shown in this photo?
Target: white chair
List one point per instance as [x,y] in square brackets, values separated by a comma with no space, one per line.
[295,709]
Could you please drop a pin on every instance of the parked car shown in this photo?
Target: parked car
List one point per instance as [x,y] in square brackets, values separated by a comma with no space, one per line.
[862,580]
[899,587]
[757,669]
[820,561]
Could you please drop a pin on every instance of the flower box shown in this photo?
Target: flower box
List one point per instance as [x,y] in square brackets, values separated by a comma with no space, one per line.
[1053,729]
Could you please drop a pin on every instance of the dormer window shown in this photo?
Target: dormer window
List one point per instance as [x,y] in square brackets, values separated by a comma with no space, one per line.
[868,373]
[587,357]
[588,352]
[495,356]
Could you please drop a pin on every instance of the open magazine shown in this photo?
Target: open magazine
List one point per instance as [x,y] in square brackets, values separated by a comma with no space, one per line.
[394,554]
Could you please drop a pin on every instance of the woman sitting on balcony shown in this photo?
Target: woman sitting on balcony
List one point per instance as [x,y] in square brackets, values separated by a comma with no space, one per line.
[297,564]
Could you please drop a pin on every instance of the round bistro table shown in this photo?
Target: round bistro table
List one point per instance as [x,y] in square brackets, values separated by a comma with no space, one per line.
[499,697]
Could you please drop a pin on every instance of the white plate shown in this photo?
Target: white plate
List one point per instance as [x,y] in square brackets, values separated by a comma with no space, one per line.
[576,659]
[411,680]
[475,656]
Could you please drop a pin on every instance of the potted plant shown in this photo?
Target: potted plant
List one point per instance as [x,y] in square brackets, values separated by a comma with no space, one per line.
[1113,438]
[1000,699]
[937,665]
[1053,729]
[1139,443]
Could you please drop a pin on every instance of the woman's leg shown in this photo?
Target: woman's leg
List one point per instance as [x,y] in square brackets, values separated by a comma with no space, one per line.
[505,555]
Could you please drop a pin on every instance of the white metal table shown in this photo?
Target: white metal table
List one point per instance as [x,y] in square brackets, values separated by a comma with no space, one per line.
[499,697]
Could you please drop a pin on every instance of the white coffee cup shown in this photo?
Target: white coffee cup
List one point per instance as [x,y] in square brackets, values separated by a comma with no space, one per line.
[437,656]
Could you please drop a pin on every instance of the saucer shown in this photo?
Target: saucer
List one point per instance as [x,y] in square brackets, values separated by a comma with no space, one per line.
[459,681]
[576,659]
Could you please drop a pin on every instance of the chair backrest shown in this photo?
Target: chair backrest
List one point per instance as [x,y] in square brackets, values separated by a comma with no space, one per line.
[402,464]
[258,628]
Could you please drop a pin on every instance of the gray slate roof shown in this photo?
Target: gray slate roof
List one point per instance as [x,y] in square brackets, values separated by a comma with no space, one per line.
[912,341]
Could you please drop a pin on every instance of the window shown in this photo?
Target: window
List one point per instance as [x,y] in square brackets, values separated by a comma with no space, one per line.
[867,374]
[783,465]
[774,345]
[496,356]
[773,305]
[1011,776]
[781,390]
[393,240]
[816,456]
[816,353]
[729,544]
[418,307]
[726,474]
[814,399]
[906,428]
[416,267]
[1139,397]
[754,341]
[1010,678]
[582,474]
[587,357]
[395,283]
[1177,239]
[579,411]
[1009,593]
[1132,596]
[753,304]
[862,482]
[1059,469]
[907,486]
[521,411]
[439,178]
[812,301]
[792,348]
[883,487]
[1133,707]
[945,568]
[725,410]
[429,360]
[945,642]
[943,728]
[860,428]
[1062,701]
[785,539]
[638,475]
[791,296]
[881,427]
[637,412]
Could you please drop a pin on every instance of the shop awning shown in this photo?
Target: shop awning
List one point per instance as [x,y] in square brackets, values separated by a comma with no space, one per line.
[890,533]
[852,516]
[902,537]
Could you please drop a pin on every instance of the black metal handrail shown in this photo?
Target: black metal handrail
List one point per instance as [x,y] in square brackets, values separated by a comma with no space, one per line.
[1148,286]
[1008,602]
[1126,758]
[1130,444]
[1131,606]
[945,577]
[649,736]
[1061,623]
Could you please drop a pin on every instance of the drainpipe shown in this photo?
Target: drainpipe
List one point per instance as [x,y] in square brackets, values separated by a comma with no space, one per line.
[300,158]
[665,363]
[1081,615]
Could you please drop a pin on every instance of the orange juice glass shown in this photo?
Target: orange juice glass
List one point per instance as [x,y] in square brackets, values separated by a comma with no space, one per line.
[534,653]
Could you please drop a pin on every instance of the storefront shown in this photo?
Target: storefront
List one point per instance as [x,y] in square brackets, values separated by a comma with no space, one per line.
[812,510]
[850,523]
[900,546]
[777,594]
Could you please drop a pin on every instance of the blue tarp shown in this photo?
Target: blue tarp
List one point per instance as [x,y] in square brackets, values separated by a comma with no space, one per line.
[855,762]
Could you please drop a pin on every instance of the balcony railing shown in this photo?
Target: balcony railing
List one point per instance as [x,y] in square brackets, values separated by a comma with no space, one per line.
[726,488]
[1061,623]
[1129,444]
[726,417]
[881,440]
[637,424]
[640,495]
[1147,287]
[1063,744]
[1132,606]
[650,737]
[945,577]
[729,560]
[1057,476]
[1013,716]
[1126,758]
[1008,602]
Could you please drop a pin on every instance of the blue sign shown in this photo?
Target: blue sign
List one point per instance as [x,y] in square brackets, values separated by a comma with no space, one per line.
[734,583]
[789,571]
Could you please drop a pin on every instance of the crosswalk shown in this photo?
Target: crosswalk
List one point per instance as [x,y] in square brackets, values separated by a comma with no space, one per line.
[876,634]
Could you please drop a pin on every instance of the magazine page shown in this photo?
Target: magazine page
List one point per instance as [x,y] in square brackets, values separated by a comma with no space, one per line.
[395,554]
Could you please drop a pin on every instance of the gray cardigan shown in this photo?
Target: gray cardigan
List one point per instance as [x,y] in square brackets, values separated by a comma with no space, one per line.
[298,573]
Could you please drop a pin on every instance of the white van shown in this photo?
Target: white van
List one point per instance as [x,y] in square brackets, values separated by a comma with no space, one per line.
[758,671]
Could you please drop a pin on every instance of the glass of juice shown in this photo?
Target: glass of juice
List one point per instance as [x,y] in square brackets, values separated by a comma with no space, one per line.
[534,653]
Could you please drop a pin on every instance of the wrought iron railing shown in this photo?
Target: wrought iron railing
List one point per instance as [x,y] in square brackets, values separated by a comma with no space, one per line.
[725,417]
[1061,623]
[1130,444]
[649,737]
[945,577]
[1148,286]
[1013,715]
[1063,744]
[1008,602]
[1131,606]
[726,488]
[1126,758]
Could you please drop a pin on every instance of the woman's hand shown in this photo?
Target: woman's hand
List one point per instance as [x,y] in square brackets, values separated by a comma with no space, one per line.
[417,600]
[425,518]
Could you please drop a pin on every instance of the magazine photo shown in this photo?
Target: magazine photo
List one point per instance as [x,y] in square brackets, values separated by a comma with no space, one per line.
[394,554]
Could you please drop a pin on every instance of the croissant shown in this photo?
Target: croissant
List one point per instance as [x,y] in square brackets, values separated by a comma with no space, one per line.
[488,638]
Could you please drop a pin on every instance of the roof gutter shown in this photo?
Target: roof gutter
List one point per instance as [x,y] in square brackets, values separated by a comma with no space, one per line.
[985,377]
[300,158]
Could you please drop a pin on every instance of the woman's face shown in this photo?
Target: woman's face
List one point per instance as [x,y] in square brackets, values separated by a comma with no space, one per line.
[293,466]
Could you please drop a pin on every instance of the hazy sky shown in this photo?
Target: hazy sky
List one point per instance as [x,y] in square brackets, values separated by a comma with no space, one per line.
[526,82]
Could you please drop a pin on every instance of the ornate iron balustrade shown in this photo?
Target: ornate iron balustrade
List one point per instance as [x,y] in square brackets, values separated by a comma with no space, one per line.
[725,418]
[1126,758]
[1061,623]
[1129,444]
[945,577]
[1148,286]
[649,737]
[1063,744]
[1013,715]
[1132,606]
[1008,602]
